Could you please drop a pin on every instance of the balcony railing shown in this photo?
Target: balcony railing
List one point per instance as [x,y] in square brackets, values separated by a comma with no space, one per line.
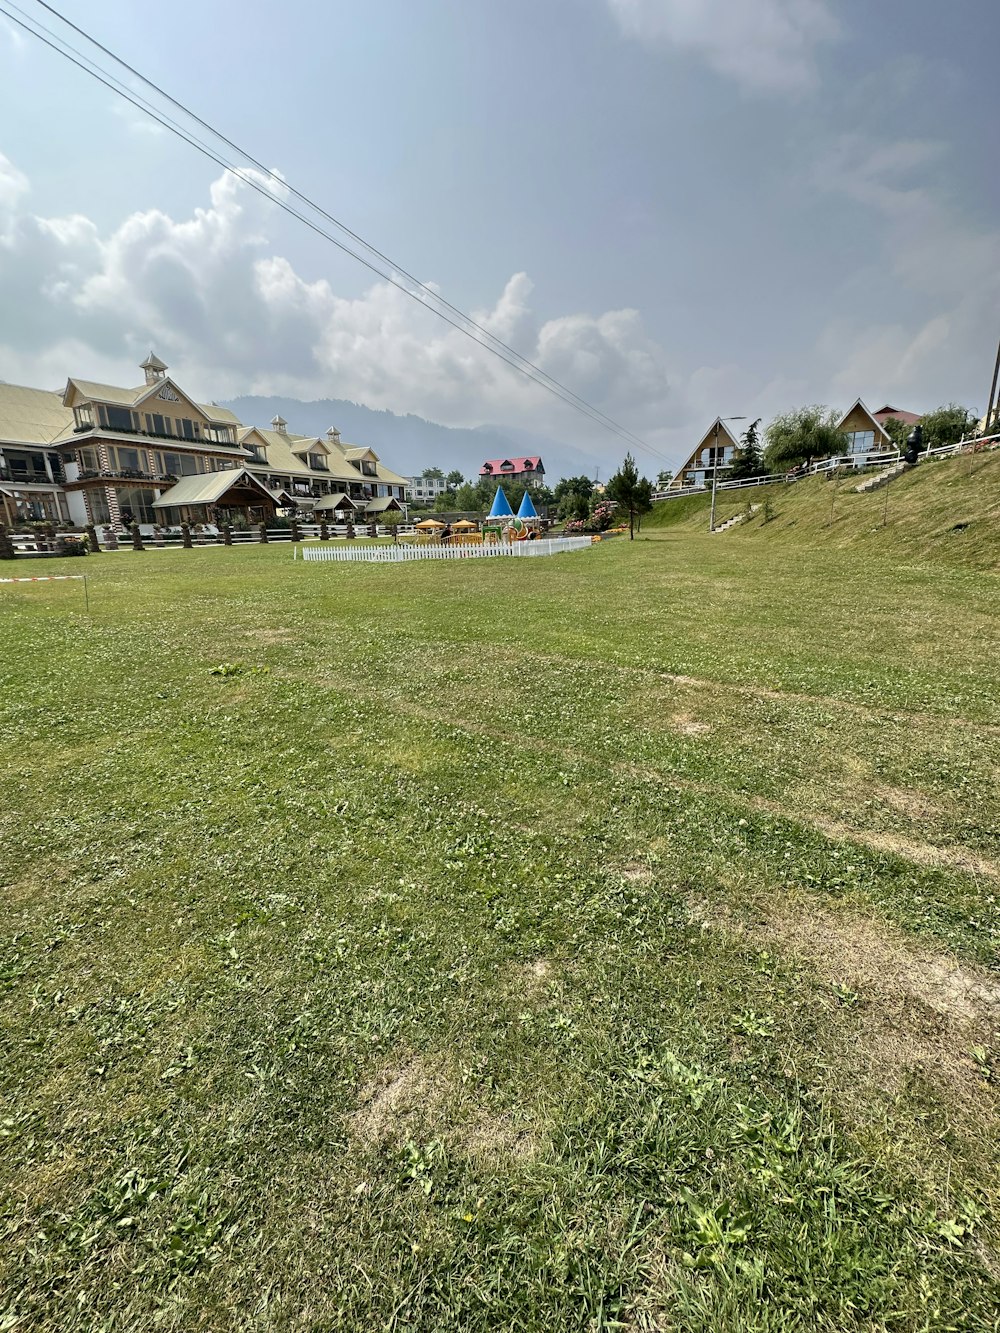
[152,435]
[32,478]
[125,474]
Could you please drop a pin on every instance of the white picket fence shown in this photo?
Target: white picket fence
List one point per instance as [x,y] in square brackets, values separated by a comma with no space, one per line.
[387,555]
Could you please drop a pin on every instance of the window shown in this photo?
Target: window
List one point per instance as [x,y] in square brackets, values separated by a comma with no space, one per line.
[98,501]
[860,441]
[127,460]
[178,465]
[84,417]
[88,460]
[156,424]
[116,418]
[136,505]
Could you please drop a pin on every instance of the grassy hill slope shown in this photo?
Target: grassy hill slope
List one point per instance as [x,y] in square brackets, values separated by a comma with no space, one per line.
[948,509]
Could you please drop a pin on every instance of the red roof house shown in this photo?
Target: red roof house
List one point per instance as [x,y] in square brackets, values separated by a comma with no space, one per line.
[884,413]
[526,469]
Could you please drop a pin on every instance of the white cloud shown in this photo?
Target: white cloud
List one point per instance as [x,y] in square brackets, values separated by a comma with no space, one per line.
[765,45]
[232,317]
[943,263]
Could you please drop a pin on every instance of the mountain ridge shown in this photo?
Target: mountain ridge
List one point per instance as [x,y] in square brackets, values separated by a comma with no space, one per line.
[410,443]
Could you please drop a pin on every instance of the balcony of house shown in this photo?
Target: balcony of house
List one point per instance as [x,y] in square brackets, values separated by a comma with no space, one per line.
[33,474]
[152,426]
[126,476]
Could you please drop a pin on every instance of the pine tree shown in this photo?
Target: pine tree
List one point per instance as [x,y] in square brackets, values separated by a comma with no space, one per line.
[631,492]
[749,461]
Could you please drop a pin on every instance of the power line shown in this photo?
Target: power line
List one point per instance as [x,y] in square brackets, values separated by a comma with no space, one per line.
[341,226]
[424,294]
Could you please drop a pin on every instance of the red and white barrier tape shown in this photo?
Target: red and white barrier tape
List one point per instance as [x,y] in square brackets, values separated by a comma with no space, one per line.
[46,578]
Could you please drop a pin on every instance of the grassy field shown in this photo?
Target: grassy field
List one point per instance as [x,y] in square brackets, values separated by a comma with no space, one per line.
[946,510]
[603,941]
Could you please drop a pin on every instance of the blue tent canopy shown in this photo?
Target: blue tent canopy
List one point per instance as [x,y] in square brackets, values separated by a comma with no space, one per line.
[501,505]
[527,509]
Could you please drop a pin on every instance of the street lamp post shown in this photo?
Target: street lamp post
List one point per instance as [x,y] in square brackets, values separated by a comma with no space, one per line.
[715,467]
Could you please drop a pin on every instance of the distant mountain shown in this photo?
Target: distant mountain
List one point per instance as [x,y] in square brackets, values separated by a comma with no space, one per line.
[409,444]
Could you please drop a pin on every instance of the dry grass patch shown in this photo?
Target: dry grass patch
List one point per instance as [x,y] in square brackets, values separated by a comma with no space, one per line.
[685,725]
[922,1011]
[399,1099]
[914,804]
[422,1094]
[921,853]
[533,980]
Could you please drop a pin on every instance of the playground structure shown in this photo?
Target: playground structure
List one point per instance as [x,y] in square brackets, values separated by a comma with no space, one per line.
[502,526]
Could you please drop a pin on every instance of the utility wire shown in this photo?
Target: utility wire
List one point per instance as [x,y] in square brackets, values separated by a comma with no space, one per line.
[341,226]
[468,326]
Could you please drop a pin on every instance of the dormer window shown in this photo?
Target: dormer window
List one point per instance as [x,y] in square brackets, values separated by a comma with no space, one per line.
[115,418]
[84,417]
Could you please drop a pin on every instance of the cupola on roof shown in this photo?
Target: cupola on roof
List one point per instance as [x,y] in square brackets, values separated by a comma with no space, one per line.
[154,368]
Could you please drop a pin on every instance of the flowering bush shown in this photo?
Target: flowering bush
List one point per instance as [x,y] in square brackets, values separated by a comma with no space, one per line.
[603,516]
[600,520]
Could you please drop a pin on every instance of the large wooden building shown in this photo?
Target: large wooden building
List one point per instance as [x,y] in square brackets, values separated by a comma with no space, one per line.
[97,453]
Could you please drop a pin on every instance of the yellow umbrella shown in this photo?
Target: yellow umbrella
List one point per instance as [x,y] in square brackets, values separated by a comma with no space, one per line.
[430,523]
[465,523]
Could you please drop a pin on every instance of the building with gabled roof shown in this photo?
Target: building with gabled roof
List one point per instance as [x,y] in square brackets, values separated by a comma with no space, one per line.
[312,470]
[862,431]
[714,452]
[885,413]
[527,469]
[107,455]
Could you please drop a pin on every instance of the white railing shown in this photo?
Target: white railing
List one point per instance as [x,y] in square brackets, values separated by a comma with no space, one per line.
[365,554]
[847,462]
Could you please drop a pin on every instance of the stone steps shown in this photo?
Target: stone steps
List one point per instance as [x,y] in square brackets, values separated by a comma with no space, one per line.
[736,518]
[881,479]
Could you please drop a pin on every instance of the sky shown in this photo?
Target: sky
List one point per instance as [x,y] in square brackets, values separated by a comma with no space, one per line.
[677,208]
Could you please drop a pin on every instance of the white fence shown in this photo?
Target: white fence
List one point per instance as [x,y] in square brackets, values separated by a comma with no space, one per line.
[387,555]
[845,463]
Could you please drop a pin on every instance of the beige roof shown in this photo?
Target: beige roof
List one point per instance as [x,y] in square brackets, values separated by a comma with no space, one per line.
[32,416]
[280,457]
[111,393]
[382,503]
[206,488]
[283,458]
[334,502]
[879,429]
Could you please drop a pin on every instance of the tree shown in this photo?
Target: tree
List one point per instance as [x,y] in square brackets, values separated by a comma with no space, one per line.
[800,436]
[573,505]
[749,460]
[948,425]
[897,431]
[573,486]
[454,479]
[630,491]
[432,474]
[468,499]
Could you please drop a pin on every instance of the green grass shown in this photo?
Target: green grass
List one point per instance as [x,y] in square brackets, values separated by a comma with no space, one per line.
[603,941]
[947,511]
